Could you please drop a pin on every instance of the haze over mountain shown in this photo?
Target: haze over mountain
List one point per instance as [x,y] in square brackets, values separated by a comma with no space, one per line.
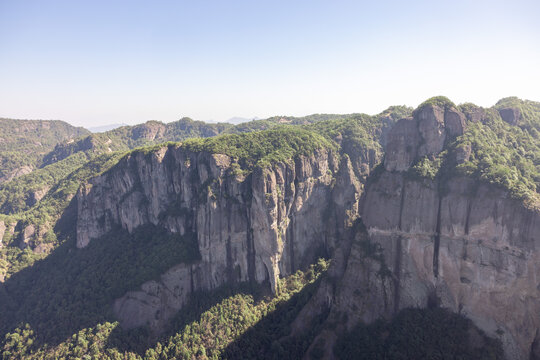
[90,62]
[239,120]
[103,128]
[23,143]
[399,234]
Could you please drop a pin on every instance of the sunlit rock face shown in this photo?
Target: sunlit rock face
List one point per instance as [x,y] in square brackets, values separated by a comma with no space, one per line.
[253,226]
[2,231]
[458,244]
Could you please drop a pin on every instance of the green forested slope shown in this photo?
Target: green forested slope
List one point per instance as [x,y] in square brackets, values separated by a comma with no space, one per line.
[497,152]
[262,148]
[130,137]
[52,217]
[209,327]
[23,143]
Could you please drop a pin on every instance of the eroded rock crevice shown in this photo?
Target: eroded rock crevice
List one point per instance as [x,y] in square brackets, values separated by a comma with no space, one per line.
[249,227]
[437,240]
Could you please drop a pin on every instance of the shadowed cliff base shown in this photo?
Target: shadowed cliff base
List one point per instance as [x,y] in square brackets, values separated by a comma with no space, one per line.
[434,333]
[73,289]
[239,323]
[140,340]
[203,327]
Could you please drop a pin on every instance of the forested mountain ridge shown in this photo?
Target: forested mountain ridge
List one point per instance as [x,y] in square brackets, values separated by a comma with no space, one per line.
[433,208]
[23,143]
[129,137]
[31,204]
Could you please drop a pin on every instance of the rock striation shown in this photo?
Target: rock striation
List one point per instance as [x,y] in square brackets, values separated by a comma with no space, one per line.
[423,135]
[253,226]
[448,242]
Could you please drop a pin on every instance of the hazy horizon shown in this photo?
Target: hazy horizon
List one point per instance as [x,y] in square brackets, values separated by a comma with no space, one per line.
[234,120]
[98,63]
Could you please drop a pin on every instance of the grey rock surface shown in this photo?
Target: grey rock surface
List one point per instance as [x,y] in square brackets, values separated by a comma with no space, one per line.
[2,231]
[510,115]
[423,135]
[26,236]
[460,244]
[471,249]
[402,146]
[254,227]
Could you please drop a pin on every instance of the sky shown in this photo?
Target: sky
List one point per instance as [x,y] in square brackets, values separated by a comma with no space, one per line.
[93,63]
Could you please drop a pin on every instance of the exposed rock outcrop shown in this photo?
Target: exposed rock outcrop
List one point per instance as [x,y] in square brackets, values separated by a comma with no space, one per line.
[470,249]
[423,135]
[157,301]
[149,130]
[510,115]
[253,227]
[451,242]
[26,236]
[15,173]
[36,195]
[2,231]
[402,145]
[463,153]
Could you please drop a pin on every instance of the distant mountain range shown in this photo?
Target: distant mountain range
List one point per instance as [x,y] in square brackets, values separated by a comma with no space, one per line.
[103,128]
[239,120]
[234,120]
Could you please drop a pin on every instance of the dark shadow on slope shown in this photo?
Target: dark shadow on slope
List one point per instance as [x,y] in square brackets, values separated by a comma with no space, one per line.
[212,318]
[270,337]
[433,333]
[72,288]
[139,340]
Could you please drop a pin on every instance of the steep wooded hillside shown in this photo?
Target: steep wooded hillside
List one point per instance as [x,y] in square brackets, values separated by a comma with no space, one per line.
[23,143]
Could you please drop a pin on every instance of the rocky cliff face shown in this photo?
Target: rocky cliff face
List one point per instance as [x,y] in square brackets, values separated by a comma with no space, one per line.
[402,241]
[249,227]
[469,248]
[454,243]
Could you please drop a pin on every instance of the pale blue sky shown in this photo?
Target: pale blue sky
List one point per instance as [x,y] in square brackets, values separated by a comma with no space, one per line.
[99,62]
